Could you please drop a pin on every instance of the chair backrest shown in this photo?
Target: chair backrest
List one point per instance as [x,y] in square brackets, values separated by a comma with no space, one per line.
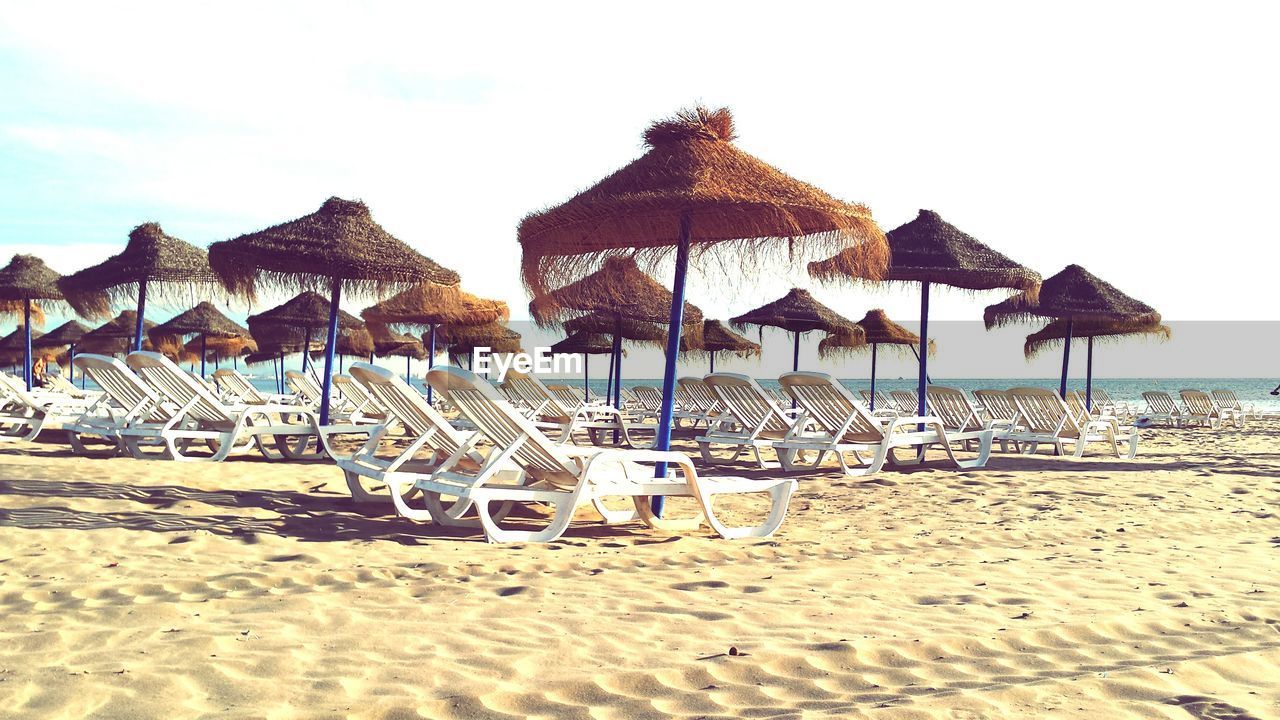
[699,395]
[1161,402]
[1226,399]
[536,395]
[567,396]
[905,401]
[952,406]
[1198,402]
[16,390]
[1076,404]
[829,404]
[497,420]
[997,404]
[304,386]
[750,404]
[239,386]
[650,398]
[882,401]
[357,395]
[1102,397]
[121,385]
[1042,411]
[175,385]
[405,404]
[65,386]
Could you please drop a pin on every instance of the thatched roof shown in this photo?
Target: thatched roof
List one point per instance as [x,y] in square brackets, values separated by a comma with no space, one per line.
[203,319]
[1056,332]
[618,287]
[1073,293]
[718,338]
[386,342]
[798,311]
[17,309]
[65,334]
[17,340]
[931,249]
[26,277]
[218,347]
[353,342]
[424,305]
[462,340]
[340,240]
[114,336]
[169,266]
[603,324]
[588,343]
[307,309]
[692,172]
[877,329]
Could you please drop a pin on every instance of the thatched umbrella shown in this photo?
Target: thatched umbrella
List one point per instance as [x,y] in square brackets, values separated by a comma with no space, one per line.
[68,334]
[1074,294]
[619,329]
[24,279]
[585,344]
[464,339]
[203,320]
[930,250]
[621,292]
[116,335]
[291,323]
[1066,330]
[718,338]
[152,262]
[692,188]
[877,330]
[14,347]
[798,312]
[417,308]
[388,342]
[340,248]
[353,342]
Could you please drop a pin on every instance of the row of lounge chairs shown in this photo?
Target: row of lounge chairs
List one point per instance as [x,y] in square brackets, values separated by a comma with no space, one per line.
[1215,409]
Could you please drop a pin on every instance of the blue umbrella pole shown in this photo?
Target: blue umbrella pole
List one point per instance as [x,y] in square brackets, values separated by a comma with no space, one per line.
[923,355]
[71,366]
[1066,359]
[617,367]
[431,358]
[608,383]
[1088,377]
[327,381]
[408,371]
[26,321]
[873,376]
[142,307]
[795,361]
[203,350]
[306,348]
[713,361]
[586,377]
[663,439]
[916,352]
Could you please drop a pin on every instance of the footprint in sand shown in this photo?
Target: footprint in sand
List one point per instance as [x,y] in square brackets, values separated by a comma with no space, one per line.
[1207,708]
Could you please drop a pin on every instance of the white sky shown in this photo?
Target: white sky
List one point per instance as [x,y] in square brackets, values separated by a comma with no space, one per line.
[1136,139]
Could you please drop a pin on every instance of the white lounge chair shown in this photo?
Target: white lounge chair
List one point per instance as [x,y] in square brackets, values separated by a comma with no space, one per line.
[1203,411]
[960,417]
[551,414]
[697,403]
[202,418]
[1044,418]
[236,388]
[125,399]
[907,402]
[883,405]
[648,403]
[567,478]
[1161,407]
[24,415]
[1227,399]
[845,426]
[758,419]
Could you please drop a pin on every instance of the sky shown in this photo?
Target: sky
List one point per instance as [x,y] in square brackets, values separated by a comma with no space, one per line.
[1137,139]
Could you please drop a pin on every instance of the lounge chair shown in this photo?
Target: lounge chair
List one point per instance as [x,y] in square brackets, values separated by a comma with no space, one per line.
[1104,405]
[236,388]
[906,402]
[758,419]
[697,403]
[567,478]
[845,426]
[24,415]
[551,414]
[960,417]
[1044,418]
[883,406]
[125,399]
[1227,400]
[202,418]
[648,402]
[1161,407]
[1203,411]
[364,408]
[571,396]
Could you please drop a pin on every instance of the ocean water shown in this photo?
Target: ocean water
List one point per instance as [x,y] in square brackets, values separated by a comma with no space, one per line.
[1255,391]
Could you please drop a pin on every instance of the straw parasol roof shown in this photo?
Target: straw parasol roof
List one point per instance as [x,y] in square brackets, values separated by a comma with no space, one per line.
[1056,332]
[169,267]
[203,319]
[353,341]
[68,333]
[218,347]
[386,342]
[584,343]
[112,336]
[1073,293]
[339,241]
[799,312]
[718,338]
[419,308]
[17,340]
[497,337]
[26,277]
[307,309]
[600,323]
[930,249]
[18,309]
[877,329]
[619,287]
[692,172]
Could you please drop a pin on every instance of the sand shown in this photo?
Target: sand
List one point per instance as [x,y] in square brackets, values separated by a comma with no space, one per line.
[1037,587]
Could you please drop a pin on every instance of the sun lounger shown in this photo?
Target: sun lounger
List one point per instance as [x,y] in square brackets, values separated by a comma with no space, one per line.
[23,415]
[697,403]
[648,403]
[125,399]
[906,402]
[844,426]
[551,414]
[567,478]
[1227,400]
[1201,410]
[1161,407]
[236,388]
[961,418]
[1044,418]
[883,405]
[759,421]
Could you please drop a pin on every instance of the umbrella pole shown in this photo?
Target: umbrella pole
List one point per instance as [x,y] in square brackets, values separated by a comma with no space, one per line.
[408,371]
[326,382]
[662,442]
[1088,377]
[279,369]
[26,320]
[71,367]
[795,362]
[916,352]
[873,376]
[1066,359]
[608,383]
[586,378]
[142,306]
[923,355]
[203,341]
[431,358]
[713,361]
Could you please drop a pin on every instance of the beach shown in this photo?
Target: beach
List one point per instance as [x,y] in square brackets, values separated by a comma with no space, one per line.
[1037,586]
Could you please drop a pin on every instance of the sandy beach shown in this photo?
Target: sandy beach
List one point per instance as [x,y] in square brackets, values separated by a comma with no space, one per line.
[1038,586]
